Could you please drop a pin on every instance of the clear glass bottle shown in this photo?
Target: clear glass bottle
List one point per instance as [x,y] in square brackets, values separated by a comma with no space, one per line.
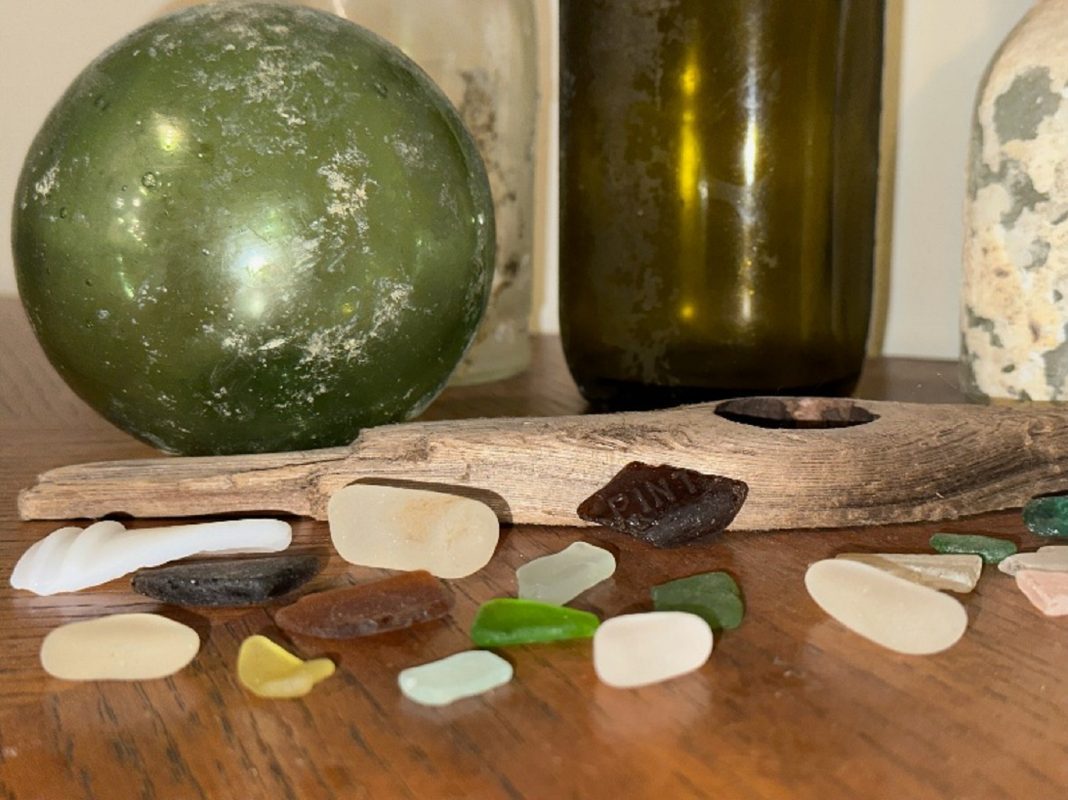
[718,180]
[483,54]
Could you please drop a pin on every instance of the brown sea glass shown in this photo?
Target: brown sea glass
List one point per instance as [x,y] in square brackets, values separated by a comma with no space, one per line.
[390,604]
[665,505]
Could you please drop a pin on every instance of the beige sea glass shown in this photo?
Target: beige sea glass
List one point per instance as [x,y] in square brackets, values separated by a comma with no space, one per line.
[408,529]
[892,612]
[269,670]
[642,649]
[1053,558]
[951,572]
[120,647]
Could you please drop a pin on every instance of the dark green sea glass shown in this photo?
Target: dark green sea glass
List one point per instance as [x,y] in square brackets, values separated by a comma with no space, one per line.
[1047,516]
[713,596]
[990,548]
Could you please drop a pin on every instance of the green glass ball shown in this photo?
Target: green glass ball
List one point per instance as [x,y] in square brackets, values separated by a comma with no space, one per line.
[252,228]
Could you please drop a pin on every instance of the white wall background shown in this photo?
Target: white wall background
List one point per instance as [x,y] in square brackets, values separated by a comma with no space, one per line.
[945,47]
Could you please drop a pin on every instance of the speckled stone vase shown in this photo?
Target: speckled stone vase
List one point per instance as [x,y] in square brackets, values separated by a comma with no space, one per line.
[1014,311]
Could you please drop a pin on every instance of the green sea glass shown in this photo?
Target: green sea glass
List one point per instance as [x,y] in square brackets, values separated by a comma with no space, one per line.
[991,550]
[713,596]
[1047,516]
[508,621]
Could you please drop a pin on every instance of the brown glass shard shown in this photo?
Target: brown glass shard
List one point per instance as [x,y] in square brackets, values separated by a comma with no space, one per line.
[665,505]
[390,604]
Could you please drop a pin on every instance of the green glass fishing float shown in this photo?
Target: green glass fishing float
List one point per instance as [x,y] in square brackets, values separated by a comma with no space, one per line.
[253,227]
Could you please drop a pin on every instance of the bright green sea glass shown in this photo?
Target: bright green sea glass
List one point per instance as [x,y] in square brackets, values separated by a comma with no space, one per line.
[508,621]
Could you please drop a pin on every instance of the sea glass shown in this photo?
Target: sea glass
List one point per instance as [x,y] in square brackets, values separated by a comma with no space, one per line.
[1046,559]
[508,621]
[68,560]
[1047,516]
[120,647]
[989,548]
[713,596]
[642,649]
[1047,591]
[951,572]
[890,611]
[665,505]
[447,680]
[410,529]
[230,582]
[269,670]
[391,604]
[561,577]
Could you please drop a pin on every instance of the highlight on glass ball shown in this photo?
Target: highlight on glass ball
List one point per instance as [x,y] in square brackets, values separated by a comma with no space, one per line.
[249,228]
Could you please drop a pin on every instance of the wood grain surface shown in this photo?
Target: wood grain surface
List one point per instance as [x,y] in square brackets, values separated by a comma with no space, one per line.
[790,705]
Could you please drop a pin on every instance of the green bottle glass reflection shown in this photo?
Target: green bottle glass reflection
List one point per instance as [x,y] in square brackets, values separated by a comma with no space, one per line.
[718,186]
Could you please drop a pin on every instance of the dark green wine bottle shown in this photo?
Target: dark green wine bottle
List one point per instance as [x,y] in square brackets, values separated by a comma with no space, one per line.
[718,181]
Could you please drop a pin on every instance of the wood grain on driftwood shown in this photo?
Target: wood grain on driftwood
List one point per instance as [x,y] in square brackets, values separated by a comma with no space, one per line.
[907,463]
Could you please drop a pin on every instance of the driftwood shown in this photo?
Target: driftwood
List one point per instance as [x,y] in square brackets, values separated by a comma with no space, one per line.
[809,463]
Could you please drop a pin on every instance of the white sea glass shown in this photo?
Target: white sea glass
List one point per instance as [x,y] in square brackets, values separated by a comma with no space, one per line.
[952,572]
[449,679]
[70,559]
[1053,558]
[642,649]
[561,577]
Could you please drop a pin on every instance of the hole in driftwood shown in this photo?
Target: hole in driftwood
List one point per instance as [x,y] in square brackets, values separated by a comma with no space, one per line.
[795,412]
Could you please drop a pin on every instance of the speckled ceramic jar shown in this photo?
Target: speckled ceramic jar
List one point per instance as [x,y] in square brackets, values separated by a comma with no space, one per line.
[1014,311]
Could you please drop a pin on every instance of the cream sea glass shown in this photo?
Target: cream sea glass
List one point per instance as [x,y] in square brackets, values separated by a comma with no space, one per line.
[408,529]
[890,611]
[120,647]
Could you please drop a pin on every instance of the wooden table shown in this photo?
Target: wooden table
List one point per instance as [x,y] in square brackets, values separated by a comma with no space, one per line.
[790,705]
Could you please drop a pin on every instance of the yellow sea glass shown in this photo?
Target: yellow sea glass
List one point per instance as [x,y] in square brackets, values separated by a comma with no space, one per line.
[269,670]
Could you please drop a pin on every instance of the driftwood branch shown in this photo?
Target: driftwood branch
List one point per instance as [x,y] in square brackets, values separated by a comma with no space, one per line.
[908,463]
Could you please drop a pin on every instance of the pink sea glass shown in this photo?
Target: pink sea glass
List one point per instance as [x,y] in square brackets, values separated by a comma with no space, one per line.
[1047,591]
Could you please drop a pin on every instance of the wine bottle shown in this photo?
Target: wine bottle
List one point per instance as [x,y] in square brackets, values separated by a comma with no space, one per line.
[718,181]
